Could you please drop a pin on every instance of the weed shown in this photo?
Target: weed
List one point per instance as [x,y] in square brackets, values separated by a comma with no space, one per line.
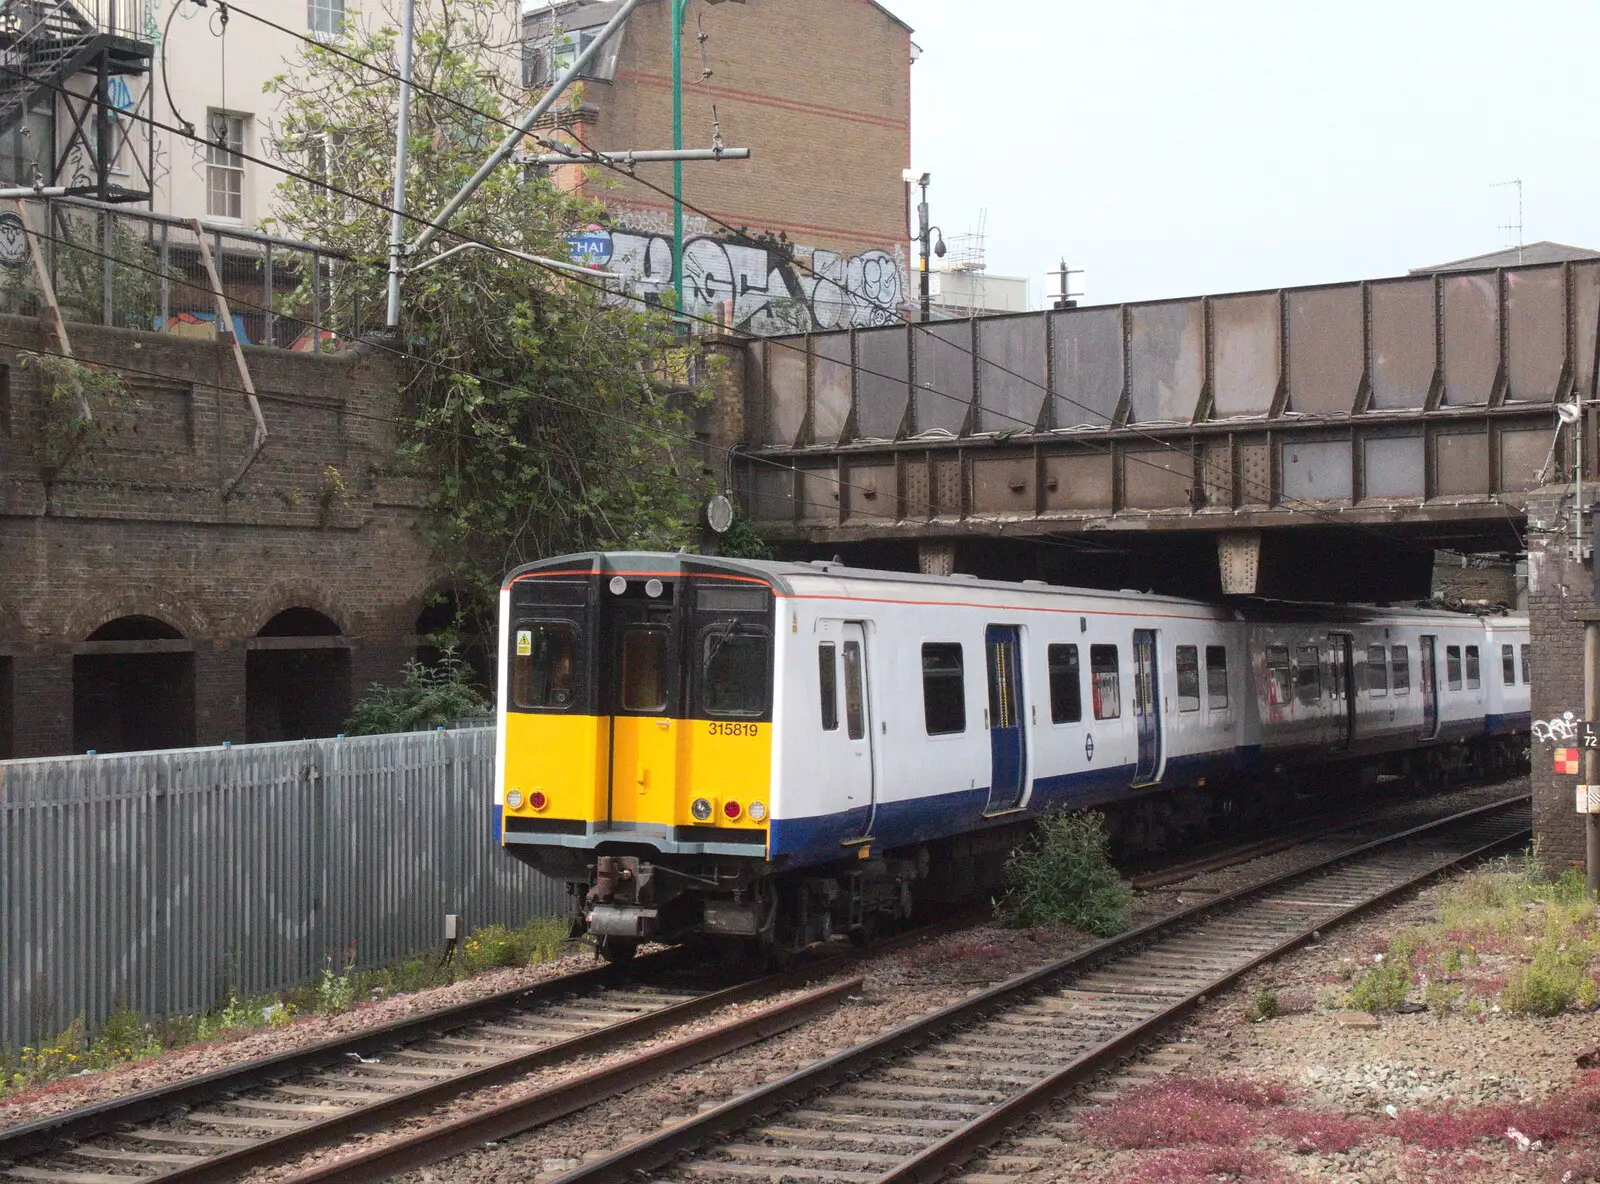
[1442,998]
[1062,875]
[1200,1165]
[1451,963]
[1317,1130]
[335,992]
[1551,983]
[1263,1007]
[1216,1111]
[1383,988]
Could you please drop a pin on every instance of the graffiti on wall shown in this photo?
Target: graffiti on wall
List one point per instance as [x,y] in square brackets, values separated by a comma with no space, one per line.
[770,286]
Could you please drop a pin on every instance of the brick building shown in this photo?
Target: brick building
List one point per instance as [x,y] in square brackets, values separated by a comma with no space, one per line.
[142,608]
[820,93]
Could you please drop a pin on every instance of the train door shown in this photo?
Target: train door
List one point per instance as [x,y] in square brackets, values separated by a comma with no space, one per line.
[640,698]
[1146,707]
[1008,745]
[1430,687]
[861,764]
[1341,688]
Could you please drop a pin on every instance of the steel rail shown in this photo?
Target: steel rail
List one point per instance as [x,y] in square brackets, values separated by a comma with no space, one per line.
[626,1165]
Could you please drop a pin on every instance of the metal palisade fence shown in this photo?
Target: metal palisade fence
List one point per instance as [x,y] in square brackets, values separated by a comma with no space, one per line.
[163,881]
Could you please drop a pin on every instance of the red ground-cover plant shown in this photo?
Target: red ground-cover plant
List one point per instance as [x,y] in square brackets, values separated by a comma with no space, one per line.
[1429,1167]
[1213,1110]
[1203,1165]
[1317,1130]
[1564,1114]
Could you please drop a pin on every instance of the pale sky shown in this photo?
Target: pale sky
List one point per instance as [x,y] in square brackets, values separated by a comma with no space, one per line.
[1177,148]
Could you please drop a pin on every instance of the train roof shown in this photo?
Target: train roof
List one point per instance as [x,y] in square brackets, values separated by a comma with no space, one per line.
[789,577]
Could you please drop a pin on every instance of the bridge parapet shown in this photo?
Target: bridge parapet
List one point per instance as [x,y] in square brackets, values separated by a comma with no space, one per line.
[1413,399]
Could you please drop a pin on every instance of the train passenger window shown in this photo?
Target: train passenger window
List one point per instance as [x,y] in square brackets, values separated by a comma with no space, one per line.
[1377,672]
[1474,677]
[1066,691]
[1508,665]
[1217,676]
[855,713]
[1308,674]
[1402,670]
[1188,678]
[828,676]
[1278,679]
[1106,681]
[1452,666]
[543,672]
[1526,648]
[645,669]
[733,669]
[944,693]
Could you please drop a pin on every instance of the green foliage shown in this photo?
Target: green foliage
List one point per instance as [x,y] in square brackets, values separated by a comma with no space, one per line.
[541,414]
[335,992]
[1264,1006]
[741,541]
[1382,988]
[1063,876]
[436,696]
[1552,982]
[78,405]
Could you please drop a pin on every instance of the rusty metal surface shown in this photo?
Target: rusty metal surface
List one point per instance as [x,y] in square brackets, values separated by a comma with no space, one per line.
[1471,338]
[1394,466]
[870,491]
[1522,455]
[1080,481]
[1461,463]
[1086,364]
[830,386]
[943,376]
[1585,320]
[1003,485]
[1166,366]
[1327,349]
[1317,471]
[786,391]
[1157,479]
[1011,373]
[1536,333]
[1404,343]
[1246,354]
[883,382]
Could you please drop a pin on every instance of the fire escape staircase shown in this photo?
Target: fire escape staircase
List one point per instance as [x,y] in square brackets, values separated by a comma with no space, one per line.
[46,43]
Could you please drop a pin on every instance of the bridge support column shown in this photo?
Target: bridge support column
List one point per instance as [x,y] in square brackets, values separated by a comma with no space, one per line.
[1560,600]
[1239,558]
[936,557]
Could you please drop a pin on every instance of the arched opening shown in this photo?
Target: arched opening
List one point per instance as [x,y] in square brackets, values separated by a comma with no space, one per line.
[133,687]
[296,678]
[442,625]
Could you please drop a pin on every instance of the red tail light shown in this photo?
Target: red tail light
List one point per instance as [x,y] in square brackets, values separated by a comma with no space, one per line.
[732,809]
[537,800]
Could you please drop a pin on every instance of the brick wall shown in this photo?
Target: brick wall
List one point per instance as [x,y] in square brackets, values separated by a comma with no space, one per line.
[136,525]
[1559,588]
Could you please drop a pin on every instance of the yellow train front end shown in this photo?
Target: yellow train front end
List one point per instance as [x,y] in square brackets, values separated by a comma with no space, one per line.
[635,740]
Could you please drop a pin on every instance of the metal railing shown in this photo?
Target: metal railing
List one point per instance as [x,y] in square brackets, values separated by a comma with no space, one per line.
[166,881]
[134,269]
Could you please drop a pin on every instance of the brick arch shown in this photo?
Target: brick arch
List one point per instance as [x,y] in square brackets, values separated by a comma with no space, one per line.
[144,600]
[412,608]
[286,594]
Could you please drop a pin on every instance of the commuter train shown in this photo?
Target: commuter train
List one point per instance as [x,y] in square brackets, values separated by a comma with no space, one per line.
[775,752]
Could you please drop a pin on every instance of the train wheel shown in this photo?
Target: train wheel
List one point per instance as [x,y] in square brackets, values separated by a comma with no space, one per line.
[617,950]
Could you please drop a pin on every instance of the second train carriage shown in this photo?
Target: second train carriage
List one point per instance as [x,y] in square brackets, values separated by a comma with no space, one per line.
[776,751]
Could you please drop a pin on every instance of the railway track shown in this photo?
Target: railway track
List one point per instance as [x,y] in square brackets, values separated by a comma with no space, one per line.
[217,1126]
[924,1099]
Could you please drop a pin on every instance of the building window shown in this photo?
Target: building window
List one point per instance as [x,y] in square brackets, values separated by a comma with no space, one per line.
[1474,678]
[1188,657]
[1508,666]
[1452,666]
[225,165]
[1066,693]
[325,16]
[1107,681]
[1402,670]
[1217,677]
[828,676]
[1307,674]
[944,700]
[1377,672]
[1278,678]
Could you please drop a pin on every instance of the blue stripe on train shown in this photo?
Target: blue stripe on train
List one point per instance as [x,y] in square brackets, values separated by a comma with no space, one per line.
[1515,721]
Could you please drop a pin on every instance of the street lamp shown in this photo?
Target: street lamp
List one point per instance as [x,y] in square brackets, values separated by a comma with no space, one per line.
[924,234]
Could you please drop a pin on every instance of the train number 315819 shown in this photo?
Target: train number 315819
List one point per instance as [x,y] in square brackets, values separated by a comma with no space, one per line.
[734,730]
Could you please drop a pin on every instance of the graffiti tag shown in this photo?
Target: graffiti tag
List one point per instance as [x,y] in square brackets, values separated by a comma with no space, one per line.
[1562,727]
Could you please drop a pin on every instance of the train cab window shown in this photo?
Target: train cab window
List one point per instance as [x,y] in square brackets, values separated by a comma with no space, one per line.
[1308,674]
[1401,680]
[855,699]
[1106,680]
[1188,657]
[646,670]
[1377,672]
[1278,677]
[1452,666]
[1508,665]
[944,694]
[828,677]
[1474,674]
[1217,677]
[1066,690]
[543,670]
[733,669]
[1526,649]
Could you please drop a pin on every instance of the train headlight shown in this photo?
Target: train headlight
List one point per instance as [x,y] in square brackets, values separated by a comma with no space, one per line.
[757,811]
[537,800]
[701,809]
[732,809]
[514,798]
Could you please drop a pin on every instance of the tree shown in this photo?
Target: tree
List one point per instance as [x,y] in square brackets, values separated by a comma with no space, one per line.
[537,409]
